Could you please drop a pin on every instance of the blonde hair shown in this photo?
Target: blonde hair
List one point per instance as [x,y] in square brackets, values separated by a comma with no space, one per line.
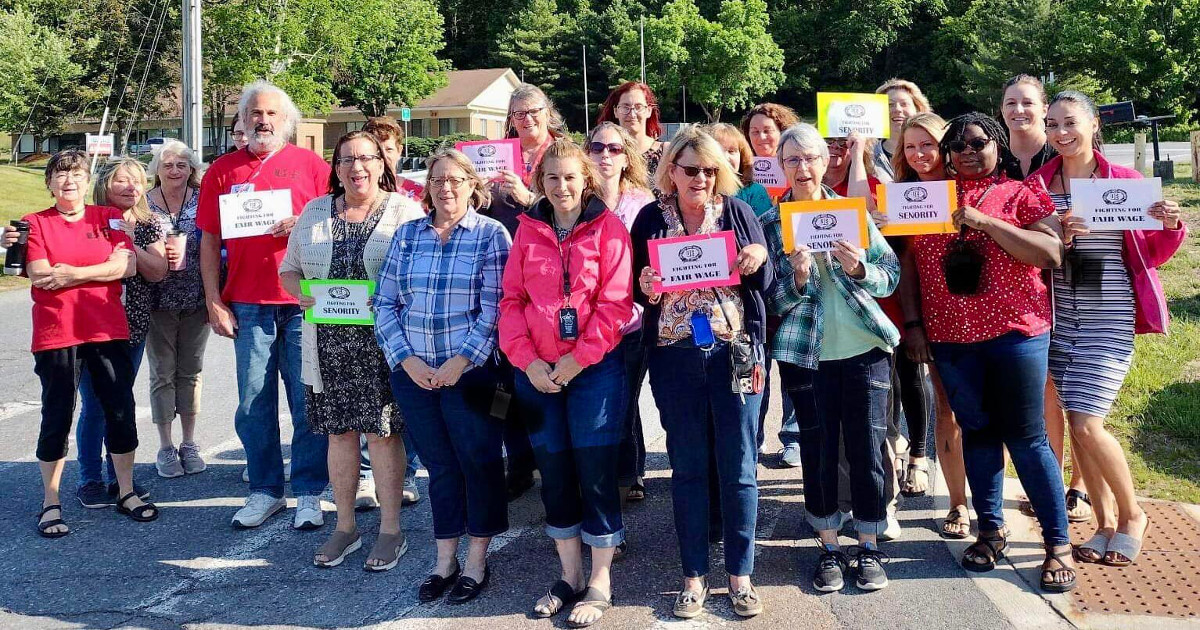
[480,197]
[725,132]
[636,174]
[915,92]
[933,124]
[564,149]
[176,147]
[108,172]
[708,152]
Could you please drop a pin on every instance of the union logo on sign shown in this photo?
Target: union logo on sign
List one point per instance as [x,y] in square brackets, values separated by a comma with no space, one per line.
[1115,197]
[824,222]
[762,166]
[252,205]
[915,195]
[487,150]
[691,253]
[854,110]
[339,293]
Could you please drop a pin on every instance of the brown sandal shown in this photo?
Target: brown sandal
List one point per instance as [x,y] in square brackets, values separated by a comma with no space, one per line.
[957,516]
[388,548]
[989,547]
[1051,585]
[335,550]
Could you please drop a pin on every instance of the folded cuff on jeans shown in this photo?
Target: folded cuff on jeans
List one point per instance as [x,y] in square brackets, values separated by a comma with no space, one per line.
[822,523]
[606,541]
[564,533]
[870,527]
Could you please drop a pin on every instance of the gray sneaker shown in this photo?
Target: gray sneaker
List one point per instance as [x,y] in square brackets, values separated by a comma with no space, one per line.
[411,494]
[168,463]
[189,453]
[790,456]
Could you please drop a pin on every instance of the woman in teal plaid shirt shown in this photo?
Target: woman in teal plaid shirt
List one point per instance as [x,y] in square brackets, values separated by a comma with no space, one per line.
[834,346]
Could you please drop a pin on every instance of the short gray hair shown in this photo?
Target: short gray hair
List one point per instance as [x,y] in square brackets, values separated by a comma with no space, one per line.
[176,147]
[806,138]
[289,108]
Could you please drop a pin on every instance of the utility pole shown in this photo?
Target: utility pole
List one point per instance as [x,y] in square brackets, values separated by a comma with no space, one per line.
[193,108]
[587,123]
[642,45]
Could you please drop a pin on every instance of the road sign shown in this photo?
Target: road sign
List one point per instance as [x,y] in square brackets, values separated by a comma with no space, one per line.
[97,144]
[405,114]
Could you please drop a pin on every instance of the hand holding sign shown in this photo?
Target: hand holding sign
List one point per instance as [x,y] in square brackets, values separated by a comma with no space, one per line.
[839,114]
[493,156]
[1119,204]
[911,208]
[1166,211]
[819,225]
[254,213]
[699,262]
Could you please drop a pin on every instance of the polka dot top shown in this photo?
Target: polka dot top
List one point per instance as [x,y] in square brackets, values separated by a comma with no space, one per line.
[1012,295]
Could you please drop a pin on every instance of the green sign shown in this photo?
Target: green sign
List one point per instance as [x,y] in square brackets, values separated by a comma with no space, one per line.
[339,301]
[405,114]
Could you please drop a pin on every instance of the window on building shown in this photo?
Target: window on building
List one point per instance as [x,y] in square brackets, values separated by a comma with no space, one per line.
[445,126]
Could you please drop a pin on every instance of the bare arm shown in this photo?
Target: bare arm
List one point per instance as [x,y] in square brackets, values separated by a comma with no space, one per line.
[152,261]
[121,264]
[219,316]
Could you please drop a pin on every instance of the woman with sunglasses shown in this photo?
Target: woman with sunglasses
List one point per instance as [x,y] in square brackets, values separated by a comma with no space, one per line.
[700,343]
[986,312]
[633,106]
[1107,292]
[622,184]
[834,351]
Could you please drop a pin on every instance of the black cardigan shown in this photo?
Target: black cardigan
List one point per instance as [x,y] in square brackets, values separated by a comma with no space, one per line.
[737,216]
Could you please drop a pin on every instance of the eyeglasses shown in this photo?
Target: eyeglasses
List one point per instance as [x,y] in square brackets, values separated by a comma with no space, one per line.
[632,109]
[349,160]
[522,114]
[596,148]
[692,171]
[839,143]
[78,175]
[979,144]
[438,182]
[795,161]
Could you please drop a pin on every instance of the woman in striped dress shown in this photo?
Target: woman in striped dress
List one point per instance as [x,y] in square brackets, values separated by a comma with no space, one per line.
[1105,293]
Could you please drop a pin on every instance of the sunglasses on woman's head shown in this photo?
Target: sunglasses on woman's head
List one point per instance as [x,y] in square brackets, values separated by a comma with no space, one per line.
[979,144]
[597,148]
[692,171]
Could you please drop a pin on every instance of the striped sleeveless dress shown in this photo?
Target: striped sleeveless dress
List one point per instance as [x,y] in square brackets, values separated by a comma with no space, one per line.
[1091,346]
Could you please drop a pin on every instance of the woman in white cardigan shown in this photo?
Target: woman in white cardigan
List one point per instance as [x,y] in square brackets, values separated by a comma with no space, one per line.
[344,236]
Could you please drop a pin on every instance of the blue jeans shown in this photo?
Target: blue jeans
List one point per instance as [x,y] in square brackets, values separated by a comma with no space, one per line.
[704,419]
[632,459]
[996,389]
[789,430]
[89,433]
[459,442]
[844,400]
[267,346]
[576,435]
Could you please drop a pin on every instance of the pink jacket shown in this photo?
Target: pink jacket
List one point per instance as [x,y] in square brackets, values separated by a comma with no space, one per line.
[1145,250]
[600,261]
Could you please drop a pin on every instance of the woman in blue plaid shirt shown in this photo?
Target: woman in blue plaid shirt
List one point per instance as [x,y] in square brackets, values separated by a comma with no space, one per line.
[436,310]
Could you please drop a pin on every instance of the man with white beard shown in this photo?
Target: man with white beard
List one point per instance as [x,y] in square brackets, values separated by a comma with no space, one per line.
[269,178]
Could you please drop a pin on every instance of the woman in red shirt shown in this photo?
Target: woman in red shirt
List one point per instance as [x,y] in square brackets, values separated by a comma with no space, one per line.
[567,297]
[986,313]
[78,255]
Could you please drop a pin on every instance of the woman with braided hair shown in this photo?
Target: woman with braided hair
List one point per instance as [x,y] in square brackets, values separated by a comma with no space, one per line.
[986,313]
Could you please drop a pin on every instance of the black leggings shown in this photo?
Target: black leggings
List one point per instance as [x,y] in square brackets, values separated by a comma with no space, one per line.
[915,400]
[111,369]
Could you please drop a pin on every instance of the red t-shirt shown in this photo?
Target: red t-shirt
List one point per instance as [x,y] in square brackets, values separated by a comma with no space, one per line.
[84,313]
[254,261]
[1012,295]
[840,189]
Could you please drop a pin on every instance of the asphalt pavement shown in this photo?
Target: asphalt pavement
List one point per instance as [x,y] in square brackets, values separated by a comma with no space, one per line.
[191,569]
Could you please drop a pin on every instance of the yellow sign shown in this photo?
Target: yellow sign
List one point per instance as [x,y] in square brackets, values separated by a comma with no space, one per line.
[840,113]
[915,208]
[820,224]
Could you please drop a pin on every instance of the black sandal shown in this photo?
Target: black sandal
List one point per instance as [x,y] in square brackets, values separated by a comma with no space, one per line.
[138,513]
[1076,514]
[592,598]
[637,491]
[989,546]
[560,596]
[44,526]
[1050,585]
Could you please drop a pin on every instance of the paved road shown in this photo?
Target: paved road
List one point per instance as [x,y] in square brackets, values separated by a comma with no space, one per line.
[1123,153]
[191,569]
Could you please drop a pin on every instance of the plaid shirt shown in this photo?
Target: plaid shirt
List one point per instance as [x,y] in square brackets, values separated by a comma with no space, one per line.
[798,340]
[434,301]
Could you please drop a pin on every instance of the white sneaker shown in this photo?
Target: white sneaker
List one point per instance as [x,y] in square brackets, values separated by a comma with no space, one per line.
[893,531]
[411,493]
[287,472]
[259,507]
[365,499]
[308,513]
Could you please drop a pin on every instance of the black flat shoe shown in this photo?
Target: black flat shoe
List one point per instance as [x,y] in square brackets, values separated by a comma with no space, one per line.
[466,589]
[434,585]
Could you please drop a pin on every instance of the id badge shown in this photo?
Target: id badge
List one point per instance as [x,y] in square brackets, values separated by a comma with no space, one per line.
[568,323]
[242,188]
[702,334]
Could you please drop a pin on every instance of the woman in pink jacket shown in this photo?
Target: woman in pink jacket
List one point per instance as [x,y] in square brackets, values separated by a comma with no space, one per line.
[1105,293]
[567,297]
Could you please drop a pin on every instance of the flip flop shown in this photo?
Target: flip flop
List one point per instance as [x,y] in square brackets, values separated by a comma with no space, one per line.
[339,545]
[560,596]
[592,598]
[389,548]
[922,468]
[43,527]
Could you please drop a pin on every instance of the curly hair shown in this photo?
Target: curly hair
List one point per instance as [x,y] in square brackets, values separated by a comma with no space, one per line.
[1007,163]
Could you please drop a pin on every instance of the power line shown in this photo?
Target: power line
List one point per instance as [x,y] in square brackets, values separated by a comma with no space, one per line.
[162,18]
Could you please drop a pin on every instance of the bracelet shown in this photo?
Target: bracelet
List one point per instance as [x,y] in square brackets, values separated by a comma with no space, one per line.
[916,323]
[654,300]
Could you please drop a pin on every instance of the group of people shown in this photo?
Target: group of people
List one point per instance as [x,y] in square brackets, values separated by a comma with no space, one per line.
[521,314]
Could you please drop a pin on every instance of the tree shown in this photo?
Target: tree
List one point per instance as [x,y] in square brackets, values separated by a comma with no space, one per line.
[727,63]
[35,62]
[388,57]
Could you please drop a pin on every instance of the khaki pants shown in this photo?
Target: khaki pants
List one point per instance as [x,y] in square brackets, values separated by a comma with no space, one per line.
[175,347]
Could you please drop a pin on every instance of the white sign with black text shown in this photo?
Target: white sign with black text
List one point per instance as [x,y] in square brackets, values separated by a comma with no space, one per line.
[1116,204]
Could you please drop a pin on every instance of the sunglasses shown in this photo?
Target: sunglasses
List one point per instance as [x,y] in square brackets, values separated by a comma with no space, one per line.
[979,144]
[692,171]
[840,143]
[596,148]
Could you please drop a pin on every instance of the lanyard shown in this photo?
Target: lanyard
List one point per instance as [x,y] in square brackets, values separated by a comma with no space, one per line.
[261,163]
[175,219]
[565,259]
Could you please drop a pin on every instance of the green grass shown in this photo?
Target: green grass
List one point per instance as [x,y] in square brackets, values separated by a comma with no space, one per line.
[24,192]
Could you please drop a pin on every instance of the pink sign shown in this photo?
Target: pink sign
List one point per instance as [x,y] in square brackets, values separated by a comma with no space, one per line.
[411,189]
[695,262]
[492,156]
